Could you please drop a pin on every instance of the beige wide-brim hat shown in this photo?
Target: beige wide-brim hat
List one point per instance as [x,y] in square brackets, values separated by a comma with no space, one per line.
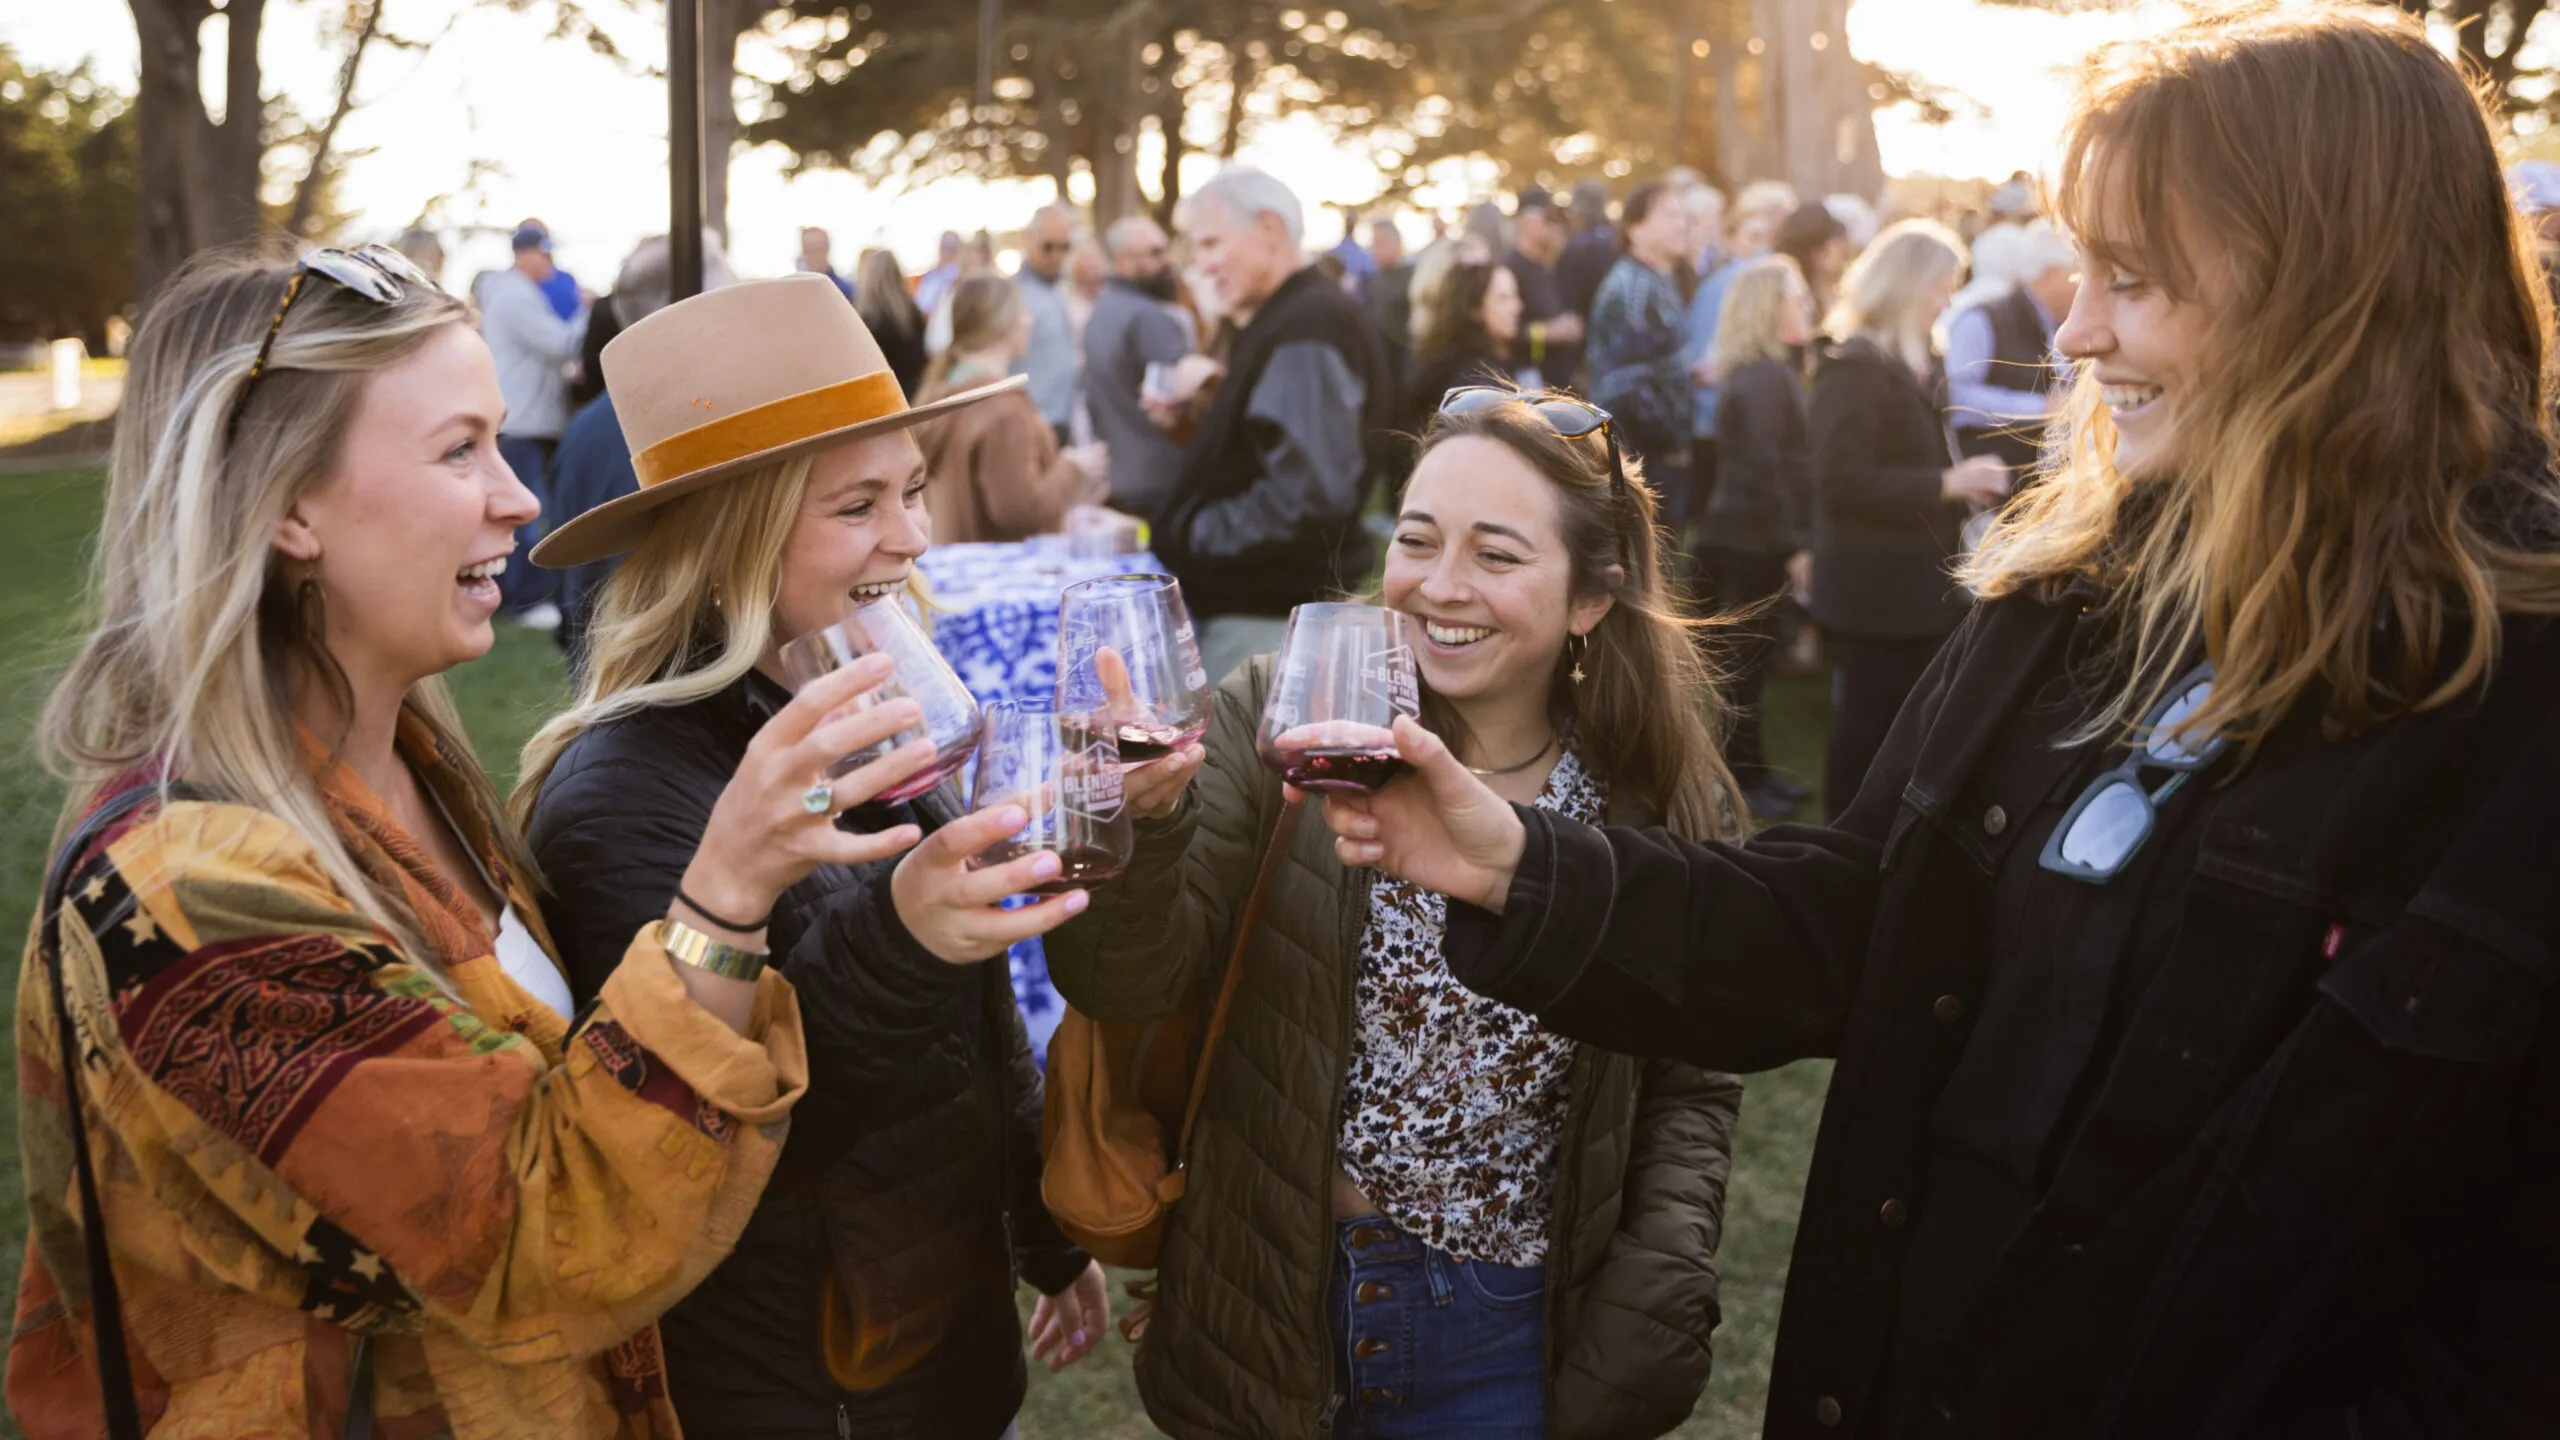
[734,379]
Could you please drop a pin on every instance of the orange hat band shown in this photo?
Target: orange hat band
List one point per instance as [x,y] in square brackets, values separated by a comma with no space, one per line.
[770,426]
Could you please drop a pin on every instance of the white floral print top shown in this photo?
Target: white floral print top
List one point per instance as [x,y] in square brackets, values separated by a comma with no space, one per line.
[1455,1103]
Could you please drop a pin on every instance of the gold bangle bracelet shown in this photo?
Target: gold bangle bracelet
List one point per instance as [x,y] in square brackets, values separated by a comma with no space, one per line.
[704,953]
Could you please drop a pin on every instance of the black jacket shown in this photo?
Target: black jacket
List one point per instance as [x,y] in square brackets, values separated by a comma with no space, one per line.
[1883,536]
[915,1153]
[2315,1187]
[1763,500]
[1266,515]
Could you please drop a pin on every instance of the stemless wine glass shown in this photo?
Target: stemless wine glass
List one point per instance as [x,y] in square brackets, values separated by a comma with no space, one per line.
[1344,673]
[1063,769]
[950,711]
[1141,619]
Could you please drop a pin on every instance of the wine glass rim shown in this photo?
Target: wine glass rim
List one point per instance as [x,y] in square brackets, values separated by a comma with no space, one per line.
[1153,579]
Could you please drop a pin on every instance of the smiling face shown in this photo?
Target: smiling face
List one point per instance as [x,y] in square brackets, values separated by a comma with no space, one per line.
[862,524]
[415,519]
[2146,347]
[1479,557]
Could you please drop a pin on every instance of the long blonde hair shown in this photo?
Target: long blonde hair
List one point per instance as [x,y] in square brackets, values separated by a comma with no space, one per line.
[200,626]
[2359,480]
[1754,311]
[1647,715]
[685,614]
[1880,296]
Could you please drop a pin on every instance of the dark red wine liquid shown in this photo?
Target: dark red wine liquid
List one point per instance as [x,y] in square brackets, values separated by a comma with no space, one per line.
[1079,866]
[944,766]
[1140,744]
[1355,772]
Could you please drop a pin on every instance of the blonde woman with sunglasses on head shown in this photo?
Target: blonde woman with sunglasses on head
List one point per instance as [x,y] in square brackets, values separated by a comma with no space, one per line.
[324,1148]
[2188,954]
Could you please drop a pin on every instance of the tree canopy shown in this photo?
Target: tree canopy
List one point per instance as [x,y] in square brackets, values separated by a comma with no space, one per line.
[1547,89]
[67,164]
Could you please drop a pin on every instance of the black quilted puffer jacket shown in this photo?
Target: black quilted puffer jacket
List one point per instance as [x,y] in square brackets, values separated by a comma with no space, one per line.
[1238,1346]
[912,1171]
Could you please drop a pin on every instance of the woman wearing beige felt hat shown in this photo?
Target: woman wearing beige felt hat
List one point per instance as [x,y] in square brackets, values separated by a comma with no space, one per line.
[781,484]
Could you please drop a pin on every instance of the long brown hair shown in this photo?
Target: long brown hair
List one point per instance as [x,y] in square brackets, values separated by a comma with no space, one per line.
[1646,715]
[2359,478]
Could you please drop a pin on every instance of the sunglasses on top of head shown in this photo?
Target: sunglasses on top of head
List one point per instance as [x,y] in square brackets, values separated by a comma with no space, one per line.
[376,272]
[1571,418]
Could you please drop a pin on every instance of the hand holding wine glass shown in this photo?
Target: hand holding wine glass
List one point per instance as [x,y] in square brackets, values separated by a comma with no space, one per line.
[945,713]
[1154,787]
[1440,827]
[1060,771]
[947,896]
[764,835]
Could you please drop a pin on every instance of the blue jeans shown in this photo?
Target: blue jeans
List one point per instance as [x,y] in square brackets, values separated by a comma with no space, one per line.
[1426,1344]
[524,586]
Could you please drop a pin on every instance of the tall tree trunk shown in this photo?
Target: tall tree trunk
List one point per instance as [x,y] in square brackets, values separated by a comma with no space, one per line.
[1171,102]
[175,141]
[723,22]
[240,142]
[1241,76]
[1118,108]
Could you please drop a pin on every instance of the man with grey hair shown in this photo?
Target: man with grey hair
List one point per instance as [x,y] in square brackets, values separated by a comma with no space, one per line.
[2002,377]
[1042,279]
[593,464]
[1134,327]
[1266,514]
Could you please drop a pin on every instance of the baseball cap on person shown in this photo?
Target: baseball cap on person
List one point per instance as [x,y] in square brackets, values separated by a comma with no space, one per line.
[532,235]
[1533,198]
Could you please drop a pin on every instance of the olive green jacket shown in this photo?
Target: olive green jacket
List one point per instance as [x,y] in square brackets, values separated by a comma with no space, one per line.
[1239,1344]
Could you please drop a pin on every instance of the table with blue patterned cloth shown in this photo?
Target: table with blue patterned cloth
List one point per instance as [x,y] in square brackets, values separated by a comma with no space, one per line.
[995,618]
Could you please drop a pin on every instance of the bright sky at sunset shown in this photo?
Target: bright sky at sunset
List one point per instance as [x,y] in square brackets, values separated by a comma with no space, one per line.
[583,144]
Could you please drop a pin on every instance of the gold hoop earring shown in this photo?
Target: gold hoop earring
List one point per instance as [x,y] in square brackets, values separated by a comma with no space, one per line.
[1575,647]
[715,594]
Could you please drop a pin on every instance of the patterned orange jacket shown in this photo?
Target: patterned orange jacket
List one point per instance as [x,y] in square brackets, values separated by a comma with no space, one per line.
[300,1134]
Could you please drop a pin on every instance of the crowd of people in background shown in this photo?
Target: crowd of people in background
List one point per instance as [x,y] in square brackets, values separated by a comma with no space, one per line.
[1819,399]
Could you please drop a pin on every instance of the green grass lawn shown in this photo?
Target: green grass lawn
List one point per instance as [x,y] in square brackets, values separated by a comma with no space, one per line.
[46,522]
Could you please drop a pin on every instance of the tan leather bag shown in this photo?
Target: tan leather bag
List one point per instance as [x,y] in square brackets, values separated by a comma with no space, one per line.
[1123,1098]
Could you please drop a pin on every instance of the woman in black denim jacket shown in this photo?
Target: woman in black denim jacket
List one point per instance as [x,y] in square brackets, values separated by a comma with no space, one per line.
[2188,951]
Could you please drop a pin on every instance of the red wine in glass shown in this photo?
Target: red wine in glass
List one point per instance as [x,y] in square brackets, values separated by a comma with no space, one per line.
[1064,770]
[1343,675]
[951,719]
[1144,744]
[1344,771]
[947,762]
[1126,651]
[1079,866]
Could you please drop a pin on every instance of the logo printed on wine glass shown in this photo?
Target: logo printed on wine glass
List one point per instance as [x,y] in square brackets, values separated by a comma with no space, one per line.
[1092,786]
[1388,677]
[1078,643]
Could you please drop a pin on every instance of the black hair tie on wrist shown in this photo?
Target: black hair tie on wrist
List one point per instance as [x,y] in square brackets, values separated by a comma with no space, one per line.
[716,918]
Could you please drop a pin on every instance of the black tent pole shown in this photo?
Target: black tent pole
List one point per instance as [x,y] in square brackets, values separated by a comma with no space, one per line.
[684,146]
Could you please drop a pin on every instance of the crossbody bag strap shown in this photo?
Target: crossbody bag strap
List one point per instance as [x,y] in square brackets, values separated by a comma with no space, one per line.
[1273,855]
[106,1309]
